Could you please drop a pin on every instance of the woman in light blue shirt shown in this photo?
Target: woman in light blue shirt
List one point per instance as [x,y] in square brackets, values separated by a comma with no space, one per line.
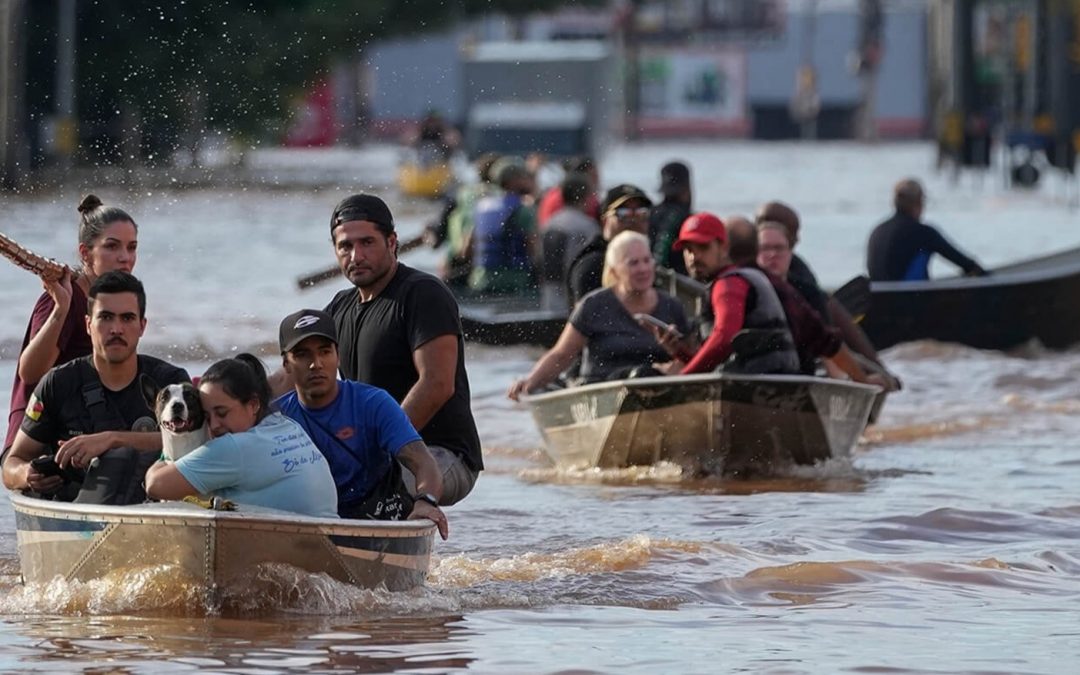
[256,456]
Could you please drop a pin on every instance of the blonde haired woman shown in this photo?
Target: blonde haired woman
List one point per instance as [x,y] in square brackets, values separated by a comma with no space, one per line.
[602,327]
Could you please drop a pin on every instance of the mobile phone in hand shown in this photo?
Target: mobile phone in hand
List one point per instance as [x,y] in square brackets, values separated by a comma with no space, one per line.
[47,466]
[649,318]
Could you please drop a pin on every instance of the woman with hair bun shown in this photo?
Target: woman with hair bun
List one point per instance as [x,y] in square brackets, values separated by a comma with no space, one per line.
[56,334]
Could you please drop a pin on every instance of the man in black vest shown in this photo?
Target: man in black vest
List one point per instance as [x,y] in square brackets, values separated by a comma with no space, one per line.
[91,415]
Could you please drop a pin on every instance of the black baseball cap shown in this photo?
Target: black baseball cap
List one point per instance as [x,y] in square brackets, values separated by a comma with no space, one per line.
[620,194]
[306,323]
[362,207]
[674,176]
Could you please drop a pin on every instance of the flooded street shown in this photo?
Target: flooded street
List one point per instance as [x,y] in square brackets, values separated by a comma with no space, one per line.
[949,544]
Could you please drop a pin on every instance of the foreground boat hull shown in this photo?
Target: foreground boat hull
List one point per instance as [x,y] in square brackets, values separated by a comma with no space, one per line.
[713,424]
[84,542]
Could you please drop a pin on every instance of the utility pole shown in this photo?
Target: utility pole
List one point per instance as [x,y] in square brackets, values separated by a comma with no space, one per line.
[869,53]
[806,103]
[66,128]
[14,144]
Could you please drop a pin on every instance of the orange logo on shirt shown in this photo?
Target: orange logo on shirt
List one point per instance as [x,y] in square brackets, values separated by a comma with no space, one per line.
[345,433]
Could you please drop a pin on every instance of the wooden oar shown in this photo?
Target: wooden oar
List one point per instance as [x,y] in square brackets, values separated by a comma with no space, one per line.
[46,268]
[855,297]
[324,275]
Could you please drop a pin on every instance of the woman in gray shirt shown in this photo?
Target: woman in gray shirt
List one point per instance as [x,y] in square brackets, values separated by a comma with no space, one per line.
[603,328]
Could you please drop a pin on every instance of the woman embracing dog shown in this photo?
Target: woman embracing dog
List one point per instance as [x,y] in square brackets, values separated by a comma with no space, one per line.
[255,456]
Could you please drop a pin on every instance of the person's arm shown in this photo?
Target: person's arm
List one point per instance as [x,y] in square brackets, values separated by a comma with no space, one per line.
[436,364]
[940,245]
[556,360]
[78,451]
[729,307]
[217,465]
[48,335]
[164,481]
[845,362]
[19,474]
[418,460]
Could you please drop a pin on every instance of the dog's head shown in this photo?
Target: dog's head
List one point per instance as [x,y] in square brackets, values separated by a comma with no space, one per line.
[178,409]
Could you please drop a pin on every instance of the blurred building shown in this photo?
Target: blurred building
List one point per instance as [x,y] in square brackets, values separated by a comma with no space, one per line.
[714,68]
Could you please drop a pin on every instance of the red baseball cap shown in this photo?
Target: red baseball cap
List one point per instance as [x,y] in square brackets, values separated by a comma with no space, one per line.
[700,228]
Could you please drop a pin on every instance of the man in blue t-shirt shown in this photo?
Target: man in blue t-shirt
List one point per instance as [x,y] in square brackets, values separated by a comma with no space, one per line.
[360,429]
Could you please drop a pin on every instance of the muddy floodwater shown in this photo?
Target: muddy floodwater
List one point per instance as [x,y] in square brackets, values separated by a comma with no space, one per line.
[950,543]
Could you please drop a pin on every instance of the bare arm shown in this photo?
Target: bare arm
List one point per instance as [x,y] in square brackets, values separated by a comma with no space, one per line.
[436,363]
[43,349]
[556,360]
[164,481]
[844,361]
[416,458]
[19,474]
[81,449]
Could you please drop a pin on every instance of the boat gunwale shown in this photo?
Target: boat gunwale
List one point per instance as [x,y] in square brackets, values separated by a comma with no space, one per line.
[180,513]
[703,378]
[1051,267]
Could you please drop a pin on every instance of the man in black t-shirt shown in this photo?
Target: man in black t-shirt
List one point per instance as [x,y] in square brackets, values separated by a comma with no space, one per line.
[96,407]
[399,330]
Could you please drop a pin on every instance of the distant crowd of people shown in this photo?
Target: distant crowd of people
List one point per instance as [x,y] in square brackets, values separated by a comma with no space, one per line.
[766,311]
[369,414]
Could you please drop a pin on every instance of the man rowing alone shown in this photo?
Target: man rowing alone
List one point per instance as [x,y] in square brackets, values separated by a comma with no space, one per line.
[900,248]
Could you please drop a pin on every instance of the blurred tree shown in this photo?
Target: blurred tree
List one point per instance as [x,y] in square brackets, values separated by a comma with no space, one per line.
[161,72]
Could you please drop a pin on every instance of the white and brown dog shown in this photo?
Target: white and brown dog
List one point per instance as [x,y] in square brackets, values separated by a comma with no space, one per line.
[182,420]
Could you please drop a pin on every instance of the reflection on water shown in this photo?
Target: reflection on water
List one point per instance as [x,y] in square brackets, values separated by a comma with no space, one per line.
[115,644]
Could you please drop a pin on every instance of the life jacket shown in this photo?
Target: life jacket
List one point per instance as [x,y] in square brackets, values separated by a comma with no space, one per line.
[764,346]
[497,246]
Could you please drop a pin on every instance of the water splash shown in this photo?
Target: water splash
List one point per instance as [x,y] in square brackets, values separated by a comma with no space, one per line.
[632,553]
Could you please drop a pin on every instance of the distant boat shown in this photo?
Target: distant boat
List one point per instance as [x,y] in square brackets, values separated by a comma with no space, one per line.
[714,424]
[509,321]
[82,542]
[425,174]
[1031,299]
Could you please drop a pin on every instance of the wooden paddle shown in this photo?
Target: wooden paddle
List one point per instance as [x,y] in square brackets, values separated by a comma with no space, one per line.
[855,297]
[324,275]
[46,268]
